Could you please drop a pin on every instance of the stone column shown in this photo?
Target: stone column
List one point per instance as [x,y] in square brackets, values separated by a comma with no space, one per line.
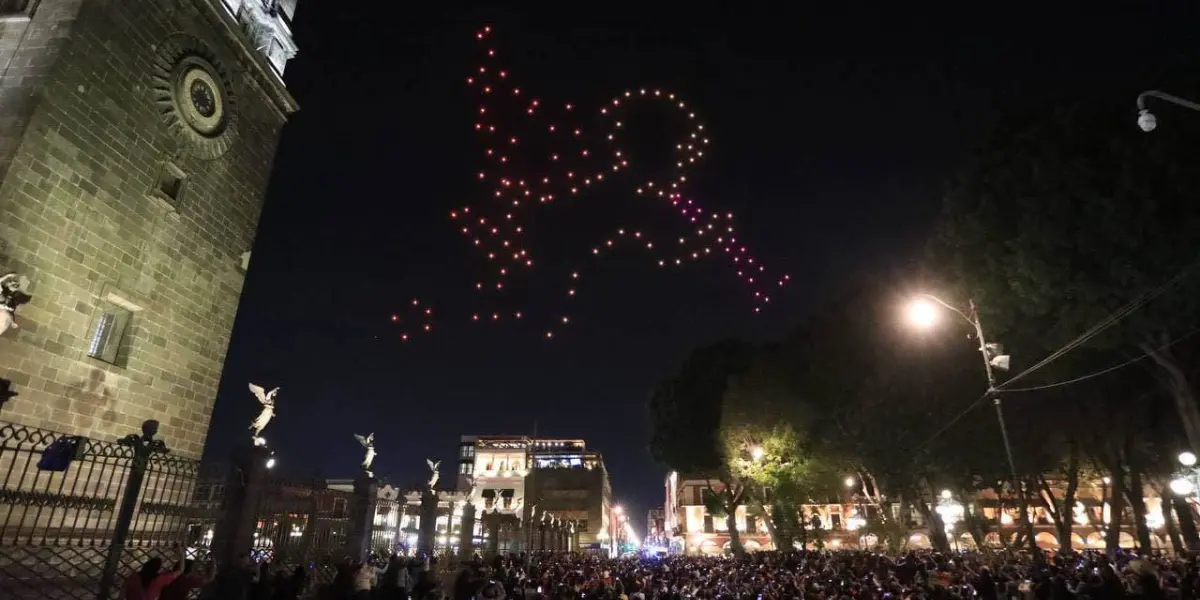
[466,534]
[233,535]
[491,525]
[362,517]
[564,542]
[428,526]
[541,534]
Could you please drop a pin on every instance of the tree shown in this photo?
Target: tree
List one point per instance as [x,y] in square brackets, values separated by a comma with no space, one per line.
[1063,220]
[685,416]
[685,410]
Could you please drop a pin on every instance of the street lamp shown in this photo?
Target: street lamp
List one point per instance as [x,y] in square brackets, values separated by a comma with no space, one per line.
[757,453]
[1182,487]
[1146,119]
[850,481]
[923,313]
[1187,459]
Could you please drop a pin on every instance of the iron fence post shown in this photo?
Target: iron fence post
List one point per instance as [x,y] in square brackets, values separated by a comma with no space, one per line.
[143,446]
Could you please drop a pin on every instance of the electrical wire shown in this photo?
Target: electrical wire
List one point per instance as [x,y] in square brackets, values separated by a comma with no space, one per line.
[1102,371]
[1109,321]
[1092,332]
[972,406]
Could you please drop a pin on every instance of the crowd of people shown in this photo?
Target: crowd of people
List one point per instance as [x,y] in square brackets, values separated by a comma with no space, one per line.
[808,575]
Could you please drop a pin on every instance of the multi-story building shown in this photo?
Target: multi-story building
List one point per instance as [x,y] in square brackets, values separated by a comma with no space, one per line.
[838,522]
[656,528]
[525,476]
[136,144]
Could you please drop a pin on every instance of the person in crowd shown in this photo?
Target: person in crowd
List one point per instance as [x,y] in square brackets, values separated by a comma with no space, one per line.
[137,585]
[180,588]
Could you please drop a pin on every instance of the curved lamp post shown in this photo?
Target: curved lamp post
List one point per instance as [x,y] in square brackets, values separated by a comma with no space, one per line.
[1146,119]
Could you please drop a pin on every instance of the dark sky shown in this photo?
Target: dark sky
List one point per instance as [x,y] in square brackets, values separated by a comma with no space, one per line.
[833,128]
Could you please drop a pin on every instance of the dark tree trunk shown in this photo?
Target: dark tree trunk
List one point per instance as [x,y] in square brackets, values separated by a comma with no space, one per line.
[735,538]
[1137,503]
[1116,509]
[937,528]
[1176,382]
[1026,522]
[1187,523]
[1169,520]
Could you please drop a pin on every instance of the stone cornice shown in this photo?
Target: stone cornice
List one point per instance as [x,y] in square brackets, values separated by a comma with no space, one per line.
[261,73]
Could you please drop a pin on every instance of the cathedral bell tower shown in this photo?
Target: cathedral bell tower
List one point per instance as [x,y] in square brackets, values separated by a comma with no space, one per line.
[136,142]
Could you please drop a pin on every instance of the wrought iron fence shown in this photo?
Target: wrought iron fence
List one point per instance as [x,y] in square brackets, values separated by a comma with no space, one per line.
[303,523]
[60,525]
[77,516]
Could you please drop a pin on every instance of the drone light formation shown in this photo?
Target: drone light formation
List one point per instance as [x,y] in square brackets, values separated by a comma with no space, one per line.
[577,161]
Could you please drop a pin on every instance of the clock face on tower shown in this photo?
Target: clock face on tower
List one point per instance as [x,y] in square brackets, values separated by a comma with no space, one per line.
[194,96]
[200,97]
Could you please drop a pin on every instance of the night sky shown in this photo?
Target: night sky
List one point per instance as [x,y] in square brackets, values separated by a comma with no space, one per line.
[833,129]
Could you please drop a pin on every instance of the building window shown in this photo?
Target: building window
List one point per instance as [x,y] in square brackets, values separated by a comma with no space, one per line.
[466,451]
[170,185]
[108,333]
[466,468]
[17,8]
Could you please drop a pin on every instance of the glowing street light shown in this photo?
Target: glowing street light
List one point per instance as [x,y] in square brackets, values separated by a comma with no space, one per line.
[946,495]
[757,453]
[922,313]
[1187,459]
[850,481]
[1180,486]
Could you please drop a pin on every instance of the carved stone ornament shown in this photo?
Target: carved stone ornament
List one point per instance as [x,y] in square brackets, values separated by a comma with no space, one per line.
[13,294]
[194,96]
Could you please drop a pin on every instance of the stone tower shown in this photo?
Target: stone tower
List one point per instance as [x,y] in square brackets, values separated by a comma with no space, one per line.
[136,141]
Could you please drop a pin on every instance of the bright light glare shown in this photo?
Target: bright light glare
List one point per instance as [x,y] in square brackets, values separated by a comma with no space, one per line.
[757,452]
[1182,487]
[922,313]
[271,463]
[946,494]
[850,481]
[1187,459]
[617,509]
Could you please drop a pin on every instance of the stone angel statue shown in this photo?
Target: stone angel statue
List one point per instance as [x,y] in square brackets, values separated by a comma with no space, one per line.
[12,295]
[433,472]
[267,399]
[368,443]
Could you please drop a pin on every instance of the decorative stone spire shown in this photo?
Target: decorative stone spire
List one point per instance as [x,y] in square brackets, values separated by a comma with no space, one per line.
[268,25]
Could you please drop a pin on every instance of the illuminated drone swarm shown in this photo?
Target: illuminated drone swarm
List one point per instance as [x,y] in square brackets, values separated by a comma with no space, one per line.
[496,228]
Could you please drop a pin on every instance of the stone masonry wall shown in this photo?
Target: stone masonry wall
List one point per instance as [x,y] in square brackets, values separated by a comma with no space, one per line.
[29,48]
[77,217]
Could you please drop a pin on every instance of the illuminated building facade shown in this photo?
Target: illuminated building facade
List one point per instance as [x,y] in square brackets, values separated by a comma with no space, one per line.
[518,475]
[838,522]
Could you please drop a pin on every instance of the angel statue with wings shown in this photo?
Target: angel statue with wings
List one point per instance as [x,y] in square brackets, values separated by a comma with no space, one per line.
[12,295]
[368,443]
[433,472]
[267,399]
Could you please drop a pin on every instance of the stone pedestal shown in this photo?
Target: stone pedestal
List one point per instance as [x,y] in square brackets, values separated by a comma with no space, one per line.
[428,526]
[491,527]
[362,517]
[244,486]
[466,533]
